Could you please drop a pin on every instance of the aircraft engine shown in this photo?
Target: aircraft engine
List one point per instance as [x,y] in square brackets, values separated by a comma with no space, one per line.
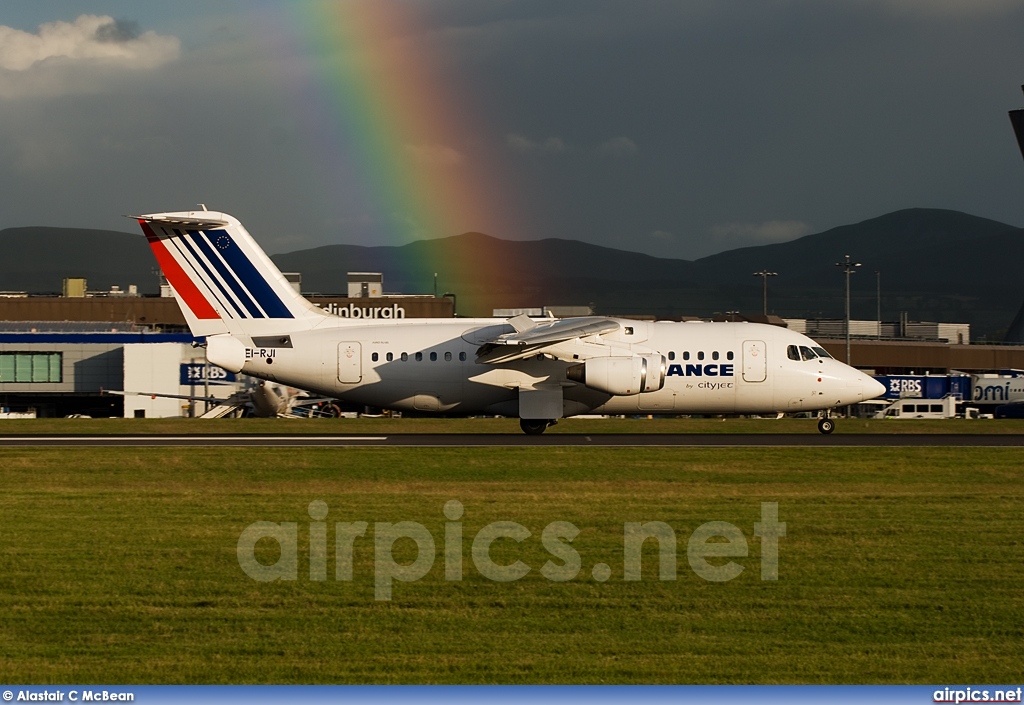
[226,351]
[621,376]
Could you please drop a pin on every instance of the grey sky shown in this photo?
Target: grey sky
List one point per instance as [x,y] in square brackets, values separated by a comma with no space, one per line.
[673,128]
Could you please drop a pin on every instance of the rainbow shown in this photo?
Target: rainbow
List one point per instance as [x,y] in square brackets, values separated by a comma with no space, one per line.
[390,127]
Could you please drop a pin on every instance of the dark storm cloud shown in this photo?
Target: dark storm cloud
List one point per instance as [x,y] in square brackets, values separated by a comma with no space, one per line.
[674,128]
[806,112]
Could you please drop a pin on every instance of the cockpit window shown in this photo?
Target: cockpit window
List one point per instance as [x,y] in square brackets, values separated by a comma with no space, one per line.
[822,352]
[792,352]
[806,353]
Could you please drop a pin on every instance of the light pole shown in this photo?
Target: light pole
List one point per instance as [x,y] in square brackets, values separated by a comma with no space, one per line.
[764,274]
[848,267]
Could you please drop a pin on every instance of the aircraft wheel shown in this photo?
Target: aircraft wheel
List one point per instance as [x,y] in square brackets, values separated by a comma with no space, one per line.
[533,427]
[826,426]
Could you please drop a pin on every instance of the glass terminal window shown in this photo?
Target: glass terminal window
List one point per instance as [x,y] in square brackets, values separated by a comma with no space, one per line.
[33,367]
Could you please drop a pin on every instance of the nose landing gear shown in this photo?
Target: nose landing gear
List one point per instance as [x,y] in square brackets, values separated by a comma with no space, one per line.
[826,425]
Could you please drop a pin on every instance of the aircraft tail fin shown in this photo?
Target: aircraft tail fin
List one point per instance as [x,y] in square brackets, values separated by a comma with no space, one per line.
[222,279]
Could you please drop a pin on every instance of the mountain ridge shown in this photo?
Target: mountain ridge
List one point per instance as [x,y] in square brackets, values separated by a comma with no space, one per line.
[936,264]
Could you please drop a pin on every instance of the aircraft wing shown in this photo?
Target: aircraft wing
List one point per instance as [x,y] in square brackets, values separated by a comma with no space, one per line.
[190,397]
[557,331]
[531,337]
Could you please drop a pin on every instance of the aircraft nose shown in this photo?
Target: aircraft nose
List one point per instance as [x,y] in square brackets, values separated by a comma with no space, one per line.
[872,388]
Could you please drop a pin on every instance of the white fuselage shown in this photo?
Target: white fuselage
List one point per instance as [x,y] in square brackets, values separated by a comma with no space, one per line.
[431,365]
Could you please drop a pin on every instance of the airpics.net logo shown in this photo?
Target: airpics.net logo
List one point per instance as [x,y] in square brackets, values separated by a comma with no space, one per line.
[714,540]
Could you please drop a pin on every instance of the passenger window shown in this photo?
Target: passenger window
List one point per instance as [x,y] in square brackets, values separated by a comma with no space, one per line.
[908,408]
[405,357]
[447,357]
[686,355]
[433,357]
[462,357]
[375,357]
[792,352]
[700,355]
[419,357]
[629,330]
[714,355]
[671,356]
[937,408]
[807,353]
[389,357]
[729,355]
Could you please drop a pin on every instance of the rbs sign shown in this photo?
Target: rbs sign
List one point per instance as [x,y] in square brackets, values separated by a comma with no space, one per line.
[195,373]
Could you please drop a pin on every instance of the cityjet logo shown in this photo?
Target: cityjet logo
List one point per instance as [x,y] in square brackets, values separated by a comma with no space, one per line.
[699,370]
[715,540]
[353,311]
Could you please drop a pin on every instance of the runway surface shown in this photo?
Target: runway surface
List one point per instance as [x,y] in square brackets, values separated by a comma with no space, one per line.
[444,440]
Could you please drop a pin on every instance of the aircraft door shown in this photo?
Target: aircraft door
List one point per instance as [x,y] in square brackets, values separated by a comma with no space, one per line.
[350,363]
[755,366]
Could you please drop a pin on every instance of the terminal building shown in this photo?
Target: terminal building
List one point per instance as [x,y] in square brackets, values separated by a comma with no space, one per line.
[162,313]
[958,333]
[930,370]
[909,347]
[66,368]
[64,355]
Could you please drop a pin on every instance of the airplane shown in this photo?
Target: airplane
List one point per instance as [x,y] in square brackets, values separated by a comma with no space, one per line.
[265,400]
[254,322]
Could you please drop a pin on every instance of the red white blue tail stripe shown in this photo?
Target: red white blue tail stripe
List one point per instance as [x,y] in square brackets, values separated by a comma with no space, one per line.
[212,274]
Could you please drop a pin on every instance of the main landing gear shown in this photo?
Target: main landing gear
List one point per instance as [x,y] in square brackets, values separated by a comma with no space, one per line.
[534,427]
[826,425]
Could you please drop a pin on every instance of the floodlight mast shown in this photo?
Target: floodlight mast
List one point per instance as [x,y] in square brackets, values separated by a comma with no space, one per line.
[849,268]
[764,274]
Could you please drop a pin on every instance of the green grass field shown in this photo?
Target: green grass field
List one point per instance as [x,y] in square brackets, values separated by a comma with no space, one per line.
[899,565]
